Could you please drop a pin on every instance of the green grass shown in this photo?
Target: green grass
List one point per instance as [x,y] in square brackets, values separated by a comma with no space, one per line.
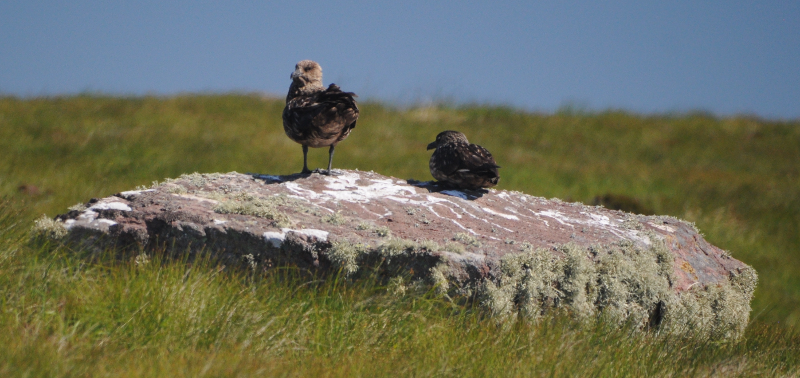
[62,315]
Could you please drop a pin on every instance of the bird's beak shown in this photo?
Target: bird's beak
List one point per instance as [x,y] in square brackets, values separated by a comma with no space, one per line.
[432,145]
[295,75]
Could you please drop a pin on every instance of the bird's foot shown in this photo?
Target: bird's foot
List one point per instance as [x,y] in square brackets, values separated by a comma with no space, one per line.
[306,171]
[327,172]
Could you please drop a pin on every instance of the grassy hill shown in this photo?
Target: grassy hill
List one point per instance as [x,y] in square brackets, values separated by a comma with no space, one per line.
[738,178]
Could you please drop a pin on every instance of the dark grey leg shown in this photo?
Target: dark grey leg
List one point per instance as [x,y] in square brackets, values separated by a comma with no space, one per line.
[305,160]
[330,158]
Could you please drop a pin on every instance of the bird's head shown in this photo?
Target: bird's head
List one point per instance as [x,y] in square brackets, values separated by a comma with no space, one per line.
[307,72]
[446,137]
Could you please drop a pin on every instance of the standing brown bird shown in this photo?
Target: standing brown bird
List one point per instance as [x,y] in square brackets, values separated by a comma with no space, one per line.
[460,164]
[314,116]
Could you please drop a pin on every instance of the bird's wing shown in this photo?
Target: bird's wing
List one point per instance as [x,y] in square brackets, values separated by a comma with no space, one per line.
[340,106]
[465,158]
[333,96]
[331,99]
[323,115]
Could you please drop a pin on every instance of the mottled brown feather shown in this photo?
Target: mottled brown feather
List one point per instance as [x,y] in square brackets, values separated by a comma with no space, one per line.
[457,163]
[314,116]
[320,119]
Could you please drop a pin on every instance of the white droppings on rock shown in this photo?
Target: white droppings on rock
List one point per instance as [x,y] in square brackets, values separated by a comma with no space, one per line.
[453,211]
[557,215]
[219,221]
[196,198]
[87,215]
[663,227]
[274,238]
[599,220]
[319,234]
[277,238]
[464,257]
[110,205]
[344,188]
[507,216]
[129,194]
[88,219]
[399,199]
[301,192]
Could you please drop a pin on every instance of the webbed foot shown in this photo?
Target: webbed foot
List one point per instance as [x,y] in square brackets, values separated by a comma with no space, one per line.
[327,172]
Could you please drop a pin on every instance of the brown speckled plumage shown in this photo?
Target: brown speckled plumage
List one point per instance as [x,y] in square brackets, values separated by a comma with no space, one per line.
[462,165]
[314,116]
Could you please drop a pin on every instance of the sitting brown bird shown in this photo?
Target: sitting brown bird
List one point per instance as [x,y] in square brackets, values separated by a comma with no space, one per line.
[315,116]
[462,165]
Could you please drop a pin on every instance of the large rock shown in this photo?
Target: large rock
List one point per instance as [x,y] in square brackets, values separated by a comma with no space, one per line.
[514,254]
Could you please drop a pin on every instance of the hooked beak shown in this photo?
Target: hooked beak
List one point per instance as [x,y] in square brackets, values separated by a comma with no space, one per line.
[295,75]
[432,145]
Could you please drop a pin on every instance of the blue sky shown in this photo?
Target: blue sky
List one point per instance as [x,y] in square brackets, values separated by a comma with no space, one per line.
[726,57]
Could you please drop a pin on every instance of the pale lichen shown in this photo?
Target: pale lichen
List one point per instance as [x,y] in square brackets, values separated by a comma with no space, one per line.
[621,283]
[335,219]
[175,189]
[248,204]
[200,179]
[397,286]
[438,277]
[382,231]
[429,245]
[141,260]
[466,239]
[78,207]
[49,228]
[395,247]
[454,247]
[344,256]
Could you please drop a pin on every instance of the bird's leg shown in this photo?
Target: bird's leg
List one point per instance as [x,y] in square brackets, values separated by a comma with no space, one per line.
[330,160]
[305,160]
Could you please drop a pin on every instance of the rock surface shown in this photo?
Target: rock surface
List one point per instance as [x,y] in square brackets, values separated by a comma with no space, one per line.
[512,253]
